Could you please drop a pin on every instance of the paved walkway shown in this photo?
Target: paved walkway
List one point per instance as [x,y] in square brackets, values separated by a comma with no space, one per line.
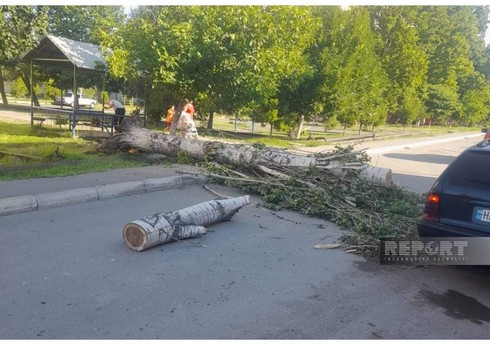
[14,188]
[19,196]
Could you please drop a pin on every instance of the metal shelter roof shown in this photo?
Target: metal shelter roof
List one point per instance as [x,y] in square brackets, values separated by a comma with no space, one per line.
[64,52]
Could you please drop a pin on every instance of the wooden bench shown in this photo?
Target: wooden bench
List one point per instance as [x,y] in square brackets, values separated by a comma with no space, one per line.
[104,122]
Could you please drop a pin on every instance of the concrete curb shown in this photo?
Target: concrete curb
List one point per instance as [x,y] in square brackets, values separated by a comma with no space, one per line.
[42,201]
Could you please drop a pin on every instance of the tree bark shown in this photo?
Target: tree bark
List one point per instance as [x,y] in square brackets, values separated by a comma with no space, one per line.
[300,127]
[2,88]
[241,154]
[189,222]
[210,120]
[175,121]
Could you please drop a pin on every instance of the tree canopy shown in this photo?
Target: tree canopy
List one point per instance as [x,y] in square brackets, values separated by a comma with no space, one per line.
[275,64]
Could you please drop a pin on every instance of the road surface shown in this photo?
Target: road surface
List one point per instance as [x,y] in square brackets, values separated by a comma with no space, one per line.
[417,168]
[65,273]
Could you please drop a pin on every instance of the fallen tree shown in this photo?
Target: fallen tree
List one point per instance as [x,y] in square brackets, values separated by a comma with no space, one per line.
[252,155]
[189,222]
[338,186]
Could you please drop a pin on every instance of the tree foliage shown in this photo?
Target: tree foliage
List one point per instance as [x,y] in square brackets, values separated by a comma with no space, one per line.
[278,63]
[227,57]
[19,30]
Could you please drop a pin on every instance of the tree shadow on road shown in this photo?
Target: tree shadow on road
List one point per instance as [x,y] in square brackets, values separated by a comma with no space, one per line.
[426,158]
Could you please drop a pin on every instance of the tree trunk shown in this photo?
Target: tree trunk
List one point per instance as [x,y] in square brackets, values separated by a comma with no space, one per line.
[270,132]
[343,133]
[239,154]
[300,127]
[2,88]
[27,83]
[360,128]
[210,120]
[189,222]
[175,119]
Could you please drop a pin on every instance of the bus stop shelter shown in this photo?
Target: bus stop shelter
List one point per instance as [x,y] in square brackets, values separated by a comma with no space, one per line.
[80,57]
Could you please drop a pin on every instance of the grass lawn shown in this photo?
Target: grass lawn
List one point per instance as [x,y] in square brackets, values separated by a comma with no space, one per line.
[28,153]
[315,134]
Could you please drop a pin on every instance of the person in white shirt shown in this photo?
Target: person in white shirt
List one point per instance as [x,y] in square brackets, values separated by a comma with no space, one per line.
[119,111]
[187,126]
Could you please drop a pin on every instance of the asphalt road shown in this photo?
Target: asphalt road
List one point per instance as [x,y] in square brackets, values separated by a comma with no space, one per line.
[417,168]
[65,273]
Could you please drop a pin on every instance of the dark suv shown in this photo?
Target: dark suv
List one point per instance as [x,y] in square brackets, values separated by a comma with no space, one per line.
[458,203]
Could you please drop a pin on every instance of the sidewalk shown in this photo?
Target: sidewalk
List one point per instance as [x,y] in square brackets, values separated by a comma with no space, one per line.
[13,188]
[40,193]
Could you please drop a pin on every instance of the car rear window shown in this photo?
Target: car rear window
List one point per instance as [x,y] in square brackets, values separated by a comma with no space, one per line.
[471,169]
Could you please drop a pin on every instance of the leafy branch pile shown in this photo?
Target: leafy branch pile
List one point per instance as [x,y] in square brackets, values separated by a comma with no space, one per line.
[365,210]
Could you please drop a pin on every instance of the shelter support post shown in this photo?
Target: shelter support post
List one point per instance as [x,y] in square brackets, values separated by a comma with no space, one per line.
[103,93]
[75,102]
[144,105]
[32,95]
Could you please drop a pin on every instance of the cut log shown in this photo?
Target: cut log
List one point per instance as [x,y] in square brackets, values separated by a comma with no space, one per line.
[377,175]
[243,154]
[189,222]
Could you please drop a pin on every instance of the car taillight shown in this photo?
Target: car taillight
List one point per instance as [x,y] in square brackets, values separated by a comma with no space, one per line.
[487,135]
[431,209]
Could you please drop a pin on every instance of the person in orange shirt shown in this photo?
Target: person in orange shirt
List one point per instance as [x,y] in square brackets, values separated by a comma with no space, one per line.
[170,116]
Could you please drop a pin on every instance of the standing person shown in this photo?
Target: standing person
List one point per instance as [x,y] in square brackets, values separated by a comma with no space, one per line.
[119,111]
[189,107]
[170,116]
[187,126]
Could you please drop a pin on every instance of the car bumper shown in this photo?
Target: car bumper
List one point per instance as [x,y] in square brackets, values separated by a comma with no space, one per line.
[435,229]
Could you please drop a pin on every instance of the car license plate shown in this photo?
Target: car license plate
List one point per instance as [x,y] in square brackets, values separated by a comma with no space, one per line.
[481,215]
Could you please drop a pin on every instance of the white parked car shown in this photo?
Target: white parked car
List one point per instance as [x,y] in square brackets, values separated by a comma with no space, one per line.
[82,101]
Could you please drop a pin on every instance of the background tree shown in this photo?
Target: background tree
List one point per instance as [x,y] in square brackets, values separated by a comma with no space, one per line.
[19,29]
[224,56]
[279,63]
[84,23]
[359,80]
[403,58]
